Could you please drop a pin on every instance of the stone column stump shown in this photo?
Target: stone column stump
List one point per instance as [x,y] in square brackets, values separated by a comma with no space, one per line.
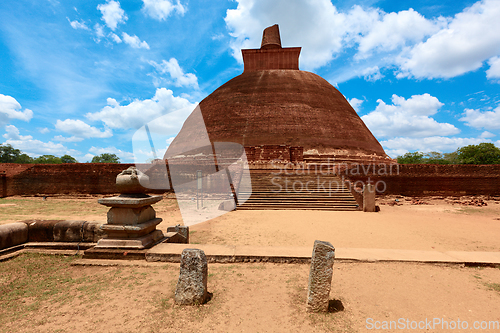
[320,277]
[192,285]
[369,198]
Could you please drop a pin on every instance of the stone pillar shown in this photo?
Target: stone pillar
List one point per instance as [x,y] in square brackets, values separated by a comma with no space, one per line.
[192,285]
[320,277]
[369,198]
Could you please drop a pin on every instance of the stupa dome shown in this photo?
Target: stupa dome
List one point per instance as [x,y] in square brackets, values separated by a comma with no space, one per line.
[275,103]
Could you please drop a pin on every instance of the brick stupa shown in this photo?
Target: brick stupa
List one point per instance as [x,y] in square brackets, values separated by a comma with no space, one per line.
[274,104]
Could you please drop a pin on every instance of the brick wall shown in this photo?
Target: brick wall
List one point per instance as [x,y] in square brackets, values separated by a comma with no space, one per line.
[428,179]
[74,178]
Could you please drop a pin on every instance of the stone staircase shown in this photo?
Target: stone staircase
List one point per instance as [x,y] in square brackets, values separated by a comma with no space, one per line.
[296,191]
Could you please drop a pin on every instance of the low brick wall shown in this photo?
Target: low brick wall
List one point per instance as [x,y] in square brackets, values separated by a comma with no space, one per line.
[430,179]
[46,179]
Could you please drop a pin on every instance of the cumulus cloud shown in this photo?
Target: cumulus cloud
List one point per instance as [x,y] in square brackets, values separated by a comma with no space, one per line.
[408,117]
[402,145]
[395,30]
[33,147]
[12,133]
[44,130]
[463,45]
[138,113]
[112,14]
[161,9]
[319,33]
[11,109]
[80,129]
[487,135]
[176,73]
[405,41]
[356,103]
[134,41]
[494,71]
[488,119]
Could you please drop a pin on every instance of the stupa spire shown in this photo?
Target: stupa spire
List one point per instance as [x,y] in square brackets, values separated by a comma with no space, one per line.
[271,38]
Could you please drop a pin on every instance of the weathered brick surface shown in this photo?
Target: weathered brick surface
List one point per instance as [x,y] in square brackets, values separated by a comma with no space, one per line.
[428,180]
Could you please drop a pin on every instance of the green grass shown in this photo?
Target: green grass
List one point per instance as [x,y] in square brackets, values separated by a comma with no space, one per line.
[493,286]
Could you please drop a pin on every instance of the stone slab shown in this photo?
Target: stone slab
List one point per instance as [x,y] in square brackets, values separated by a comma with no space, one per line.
[225,253]
[139,243]
[132,228]
[130,201]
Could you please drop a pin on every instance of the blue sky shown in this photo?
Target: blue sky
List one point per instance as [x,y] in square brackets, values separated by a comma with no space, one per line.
[81,77]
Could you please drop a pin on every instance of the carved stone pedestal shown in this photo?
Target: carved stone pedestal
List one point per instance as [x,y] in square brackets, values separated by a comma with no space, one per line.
[131,222]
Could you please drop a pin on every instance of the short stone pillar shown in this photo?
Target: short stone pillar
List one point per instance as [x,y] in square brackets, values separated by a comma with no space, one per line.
[192,285]
[320,277]
[369,198]
[132,220]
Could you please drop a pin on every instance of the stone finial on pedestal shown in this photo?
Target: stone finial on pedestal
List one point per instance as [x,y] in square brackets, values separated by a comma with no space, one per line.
[132,220]
[320,277]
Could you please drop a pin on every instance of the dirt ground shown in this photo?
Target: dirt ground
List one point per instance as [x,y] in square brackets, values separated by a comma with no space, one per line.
[265,297]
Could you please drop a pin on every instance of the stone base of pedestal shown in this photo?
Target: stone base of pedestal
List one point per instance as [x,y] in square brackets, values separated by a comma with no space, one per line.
[131,223]
[139,243]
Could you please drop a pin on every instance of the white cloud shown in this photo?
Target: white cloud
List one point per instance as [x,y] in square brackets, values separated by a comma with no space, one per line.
[487,135]
[494,71]
[404,41]
[123,155]
[138,113]
[469,39]
[395,30]
[78,24]
[9,110]
[44,130]
[319,33]
[65,139]
[13,134]
[399,146]
[116,38]
[99,32]
[161,9]
[488,119]
[80,129]
[32,147]
[112,14]
[408,117]
[176,73]
[134,41]
[356,103]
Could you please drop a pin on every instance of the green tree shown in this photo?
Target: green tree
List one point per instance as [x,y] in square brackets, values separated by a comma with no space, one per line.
[411,158]
[435,157]
[24,159]
[483,153]
[68,159]
[106,158]
[47,159]
[9,154]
